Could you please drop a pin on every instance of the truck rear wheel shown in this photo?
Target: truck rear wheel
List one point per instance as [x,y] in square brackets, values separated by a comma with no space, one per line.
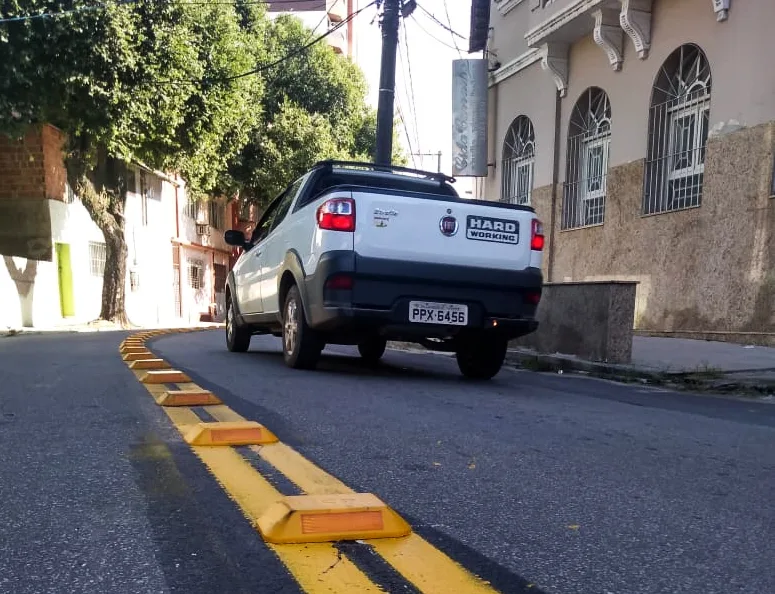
[301,345]
[237,337]
[372,350]
[481,357]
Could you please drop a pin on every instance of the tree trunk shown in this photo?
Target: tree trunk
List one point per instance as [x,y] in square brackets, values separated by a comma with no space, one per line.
[99,180]
[114,279]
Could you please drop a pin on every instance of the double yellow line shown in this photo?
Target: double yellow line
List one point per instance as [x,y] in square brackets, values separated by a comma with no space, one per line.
[318,567]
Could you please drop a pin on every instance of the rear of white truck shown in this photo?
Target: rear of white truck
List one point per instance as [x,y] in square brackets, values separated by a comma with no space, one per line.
[426,266]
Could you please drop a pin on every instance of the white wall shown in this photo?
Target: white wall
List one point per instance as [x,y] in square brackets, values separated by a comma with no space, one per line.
[149,248]
[70,224]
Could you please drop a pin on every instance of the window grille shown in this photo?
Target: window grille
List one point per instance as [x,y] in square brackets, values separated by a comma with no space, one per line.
[196,274]
[518,162]
[678,132]
[97,258]
[589,140]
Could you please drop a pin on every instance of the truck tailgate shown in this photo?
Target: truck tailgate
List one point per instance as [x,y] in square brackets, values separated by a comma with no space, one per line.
[419,229]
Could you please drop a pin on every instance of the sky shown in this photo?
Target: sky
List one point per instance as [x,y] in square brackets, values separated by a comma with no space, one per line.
[425,97]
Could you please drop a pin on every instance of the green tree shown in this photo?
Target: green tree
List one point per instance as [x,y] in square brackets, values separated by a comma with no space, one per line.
[117,80]
[314,107]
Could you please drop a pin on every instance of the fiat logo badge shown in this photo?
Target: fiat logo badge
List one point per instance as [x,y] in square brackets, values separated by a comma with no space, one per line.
[448,225]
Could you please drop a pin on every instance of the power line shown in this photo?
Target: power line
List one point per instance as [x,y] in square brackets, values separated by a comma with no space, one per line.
[431,35]
[406,130]
[60,13]
[277,62]
[452,34]
[439,23]
[411,86]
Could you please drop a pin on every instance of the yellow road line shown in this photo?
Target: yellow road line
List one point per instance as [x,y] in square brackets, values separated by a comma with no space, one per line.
[318,568]
[416,559]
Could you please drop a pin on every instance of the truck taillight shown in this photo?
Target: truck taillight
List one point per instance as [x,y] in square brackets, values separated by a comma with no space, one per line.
[537,236]
[337,214]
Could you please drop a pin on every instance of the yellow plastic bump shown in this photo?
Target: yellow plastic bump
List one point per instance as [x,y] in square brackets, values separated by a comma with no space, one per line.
[229,434]
[149,364]
[329,518]
[188,398]
[133,350]
[139,356]
[134,343]
[165,376]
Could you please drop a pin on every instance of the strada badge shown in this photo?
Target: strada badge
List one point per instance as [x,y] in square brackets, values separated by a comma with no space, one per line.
[490,229]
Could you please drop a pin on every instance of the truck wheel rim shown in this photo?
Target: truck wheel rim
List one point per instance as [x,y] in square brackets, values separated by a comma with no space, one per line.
[291,326]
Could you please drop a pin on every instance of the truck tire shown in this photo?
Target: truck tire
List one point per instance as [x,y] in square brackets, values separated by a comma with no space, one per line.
[372,350]
[237,337]
[301,345]
[481,357]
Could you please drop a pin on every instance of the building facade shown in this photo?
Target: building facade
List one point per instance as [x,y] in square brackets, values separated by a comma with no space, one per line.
[322,16]
[643,133]
[53,255]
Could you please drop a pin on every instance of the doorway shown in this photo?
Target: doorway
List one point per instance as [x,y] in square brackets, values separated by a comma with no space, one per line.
[65,273]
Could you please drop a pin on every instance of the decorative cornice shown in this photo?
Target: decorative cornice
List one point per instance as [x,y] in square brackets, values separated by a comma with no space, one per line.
[518,64]
[609,36]
[635,19]
[536,35]
[506,6]
[554,58]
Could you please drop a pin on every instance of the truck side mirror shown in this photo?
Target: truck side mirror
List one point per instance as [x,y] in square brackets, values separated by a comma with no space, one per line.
[235,238]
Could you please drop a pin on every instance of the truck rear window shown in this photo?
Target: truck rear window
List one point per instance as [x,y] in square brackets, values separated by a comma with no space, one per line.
[386,181]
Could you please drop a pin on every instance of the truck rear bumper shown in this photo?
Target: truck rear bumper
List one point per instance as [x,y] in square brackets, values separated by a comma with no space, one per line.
[371,295]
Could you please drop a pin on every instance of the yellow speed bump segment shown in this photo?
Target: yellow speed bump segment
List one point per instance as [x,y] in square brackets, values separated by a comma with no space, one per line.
[165,376]
[330,518]
[227,433]
[132,349]
[188,398]
[149,364]
[129,357]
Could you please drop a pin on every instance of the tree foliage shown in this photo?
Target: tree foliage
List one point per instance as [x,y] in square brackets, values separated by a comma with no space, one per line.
[161,83]
[314,108]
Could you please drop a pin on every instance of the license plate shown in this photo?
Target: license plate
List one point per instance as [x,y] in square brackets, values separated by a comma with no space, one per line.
[450,314]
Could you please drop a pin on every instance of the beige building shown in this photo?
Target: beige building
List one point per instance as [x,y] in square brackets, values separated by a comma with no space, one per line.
[642,132]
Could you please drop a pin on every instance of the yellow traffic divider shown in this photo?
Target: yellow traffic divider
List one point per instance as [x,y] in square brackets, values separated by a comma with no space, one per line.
[187,398]
[133,349]
[318,568]
[229,434]
[330,518]
[316,564]
[165,376]
[149,364]
[129,357]
[132,342]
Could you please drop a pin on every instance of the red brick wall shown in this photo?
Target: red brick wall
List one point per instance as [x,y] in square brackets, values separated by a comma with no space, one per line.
[32,167]
[56,175]
[22,171]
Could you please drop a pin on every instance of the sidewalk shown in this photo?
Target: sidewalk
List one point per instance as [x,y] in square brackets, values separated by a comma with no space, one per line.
[101,326]
[695,364]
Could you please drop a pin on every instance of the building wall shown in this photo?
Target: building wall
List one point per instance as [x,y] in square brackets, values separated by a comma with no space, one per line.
[703,269]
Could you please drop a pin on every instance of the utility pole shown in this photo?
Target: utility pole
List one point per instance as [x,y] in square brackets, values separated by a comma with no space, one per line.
[387,82]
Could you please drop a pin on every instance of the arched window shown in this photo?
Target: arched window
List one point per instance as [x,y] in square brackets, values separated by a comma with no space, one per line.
[678,132]
[589,138]
[518,160]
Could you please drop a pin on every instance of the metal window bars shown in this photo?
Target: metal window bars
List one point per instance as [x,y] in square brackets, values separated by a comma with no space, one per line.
[518,162]
[589,141]
[678,133]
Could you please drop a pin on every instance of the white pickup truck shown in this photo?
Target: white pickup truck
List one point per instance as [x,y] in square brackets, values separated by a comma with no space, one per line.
[359,254]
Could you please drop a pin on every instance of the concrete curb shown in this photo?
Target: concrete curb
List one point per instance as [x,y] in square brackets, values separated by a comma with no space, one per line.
[718,382]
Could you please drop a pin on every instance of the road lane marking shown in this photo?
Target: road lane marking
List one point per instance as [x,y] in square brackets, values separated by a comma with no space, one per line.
[317,567]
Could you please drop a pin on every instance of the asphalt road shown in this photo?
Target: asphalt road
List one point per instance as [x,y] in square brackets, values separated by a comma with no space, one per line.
[538,483]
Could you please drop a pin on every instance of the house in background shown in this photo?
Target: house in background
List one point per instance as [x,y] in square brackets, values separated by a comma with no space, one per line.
[321,16]
[643,133]
[53,255]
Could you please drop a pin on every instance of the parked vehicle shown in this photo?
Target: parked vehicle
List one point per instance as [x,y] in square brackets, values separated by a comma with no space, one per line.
[354,253]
